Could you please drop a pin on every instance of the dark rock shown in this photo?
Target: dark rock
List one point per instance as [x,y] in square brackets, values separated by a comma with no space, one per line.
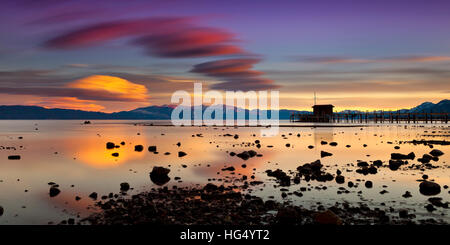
[93,195]
[327,218]
[54,191]
[429,188]
[362,164]
[333,143]
[407,194]
[210,187]
[368,184]
[77,198]
[138,148]
[229,169]
[436,153]
[124,186]
[340,179]
[395,164]
[14,157]
[152,148]
[378,163]
[1,210]
[325,154]
[159,175]
[115,154]
[403,213]
[399,156]
[110,145]
[430,208]
[244,155]
[181,154]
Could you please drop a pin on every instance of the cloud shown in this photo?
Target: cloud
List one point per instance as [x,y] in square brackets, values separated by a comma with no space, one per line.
[96,88]
[100,33]
[345,60]
[67,103]
[237,73]
[192,42]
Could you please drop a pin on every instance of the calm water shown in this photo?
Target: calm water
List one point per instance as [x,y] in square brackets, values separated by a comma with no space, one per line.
[70,153]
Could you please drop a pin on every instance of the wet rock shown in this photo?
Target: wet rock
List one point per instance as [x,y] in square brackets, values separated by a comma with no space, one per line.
[430,208]
[115,154]
[181,154]
[110,145]
[93,195]
[429,188]
[287,215]
[138,148]
[325,154]
[124,186]
[327,218]
[1,210]
[362,164]
[54,191]
[152,148]
[399,156]
[340,179]
[350,184]
[14,157]
[333,143]
[77,198]
[436,153]
[159,175]
[368,184]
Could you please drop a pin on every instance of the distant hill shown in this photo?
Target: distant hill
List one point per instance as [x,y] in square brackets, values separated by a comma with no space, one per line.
[158,112]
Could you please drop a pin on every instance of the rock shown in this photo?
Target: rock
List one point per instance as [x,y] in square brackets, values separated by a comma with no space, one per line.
[244,155]
[228,169]
[159,175]
[138,148]
[14,157]
[333,143]
[429,188]
[362,164]
[210,187]
[378,163]
[287,215]
[325,154]
[399,156]
[110,145]
[340,179]
[87,122]
[115,154]
[327,218]
[152,148]
[350,184]
[436,153]
[252,153]
[93,195]
[181,154]
[124,186]
[430,208]
[1,210]
[368,184]
[437,201]
[54,191]
[395,164]
[77,198]
[407,194]
[403,213]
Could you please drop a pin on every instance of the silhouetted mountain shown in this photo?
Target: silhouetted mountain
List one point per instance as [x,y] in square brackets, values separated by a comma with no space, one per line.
[442,106]
[163,112]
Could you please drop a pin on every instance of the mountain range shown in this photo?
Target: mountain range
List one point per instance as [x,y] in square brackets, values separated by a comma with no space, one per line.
[158,112]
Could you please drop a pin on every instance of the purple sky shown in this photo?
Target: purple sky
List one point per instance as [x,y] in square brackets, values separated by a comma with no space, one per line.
[115,55]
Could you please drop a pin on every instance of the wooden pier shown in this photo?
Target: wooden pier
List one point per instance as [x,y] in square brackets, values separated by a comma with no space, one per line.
[373,117]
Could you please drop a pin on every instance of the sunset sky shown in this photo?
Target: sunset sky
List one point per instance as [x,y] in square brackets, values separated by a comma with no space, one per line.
[120,55]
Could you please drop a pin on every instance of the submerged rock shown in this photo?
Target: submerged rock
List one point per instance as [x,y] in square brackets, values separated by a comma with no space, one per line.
[14,157]
[399,156]
[159,175]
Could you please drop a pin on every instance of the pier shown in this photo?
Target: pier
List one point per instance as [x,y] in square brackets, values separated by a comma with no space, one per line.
[373,117]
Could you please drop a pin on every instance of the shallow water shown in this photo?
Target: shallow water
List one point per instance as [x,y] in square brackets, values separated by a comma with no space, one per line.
[70,153]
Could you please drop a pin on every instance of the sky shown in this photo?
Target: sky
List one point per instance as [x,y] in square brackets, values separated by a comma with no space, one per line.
[119,55]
